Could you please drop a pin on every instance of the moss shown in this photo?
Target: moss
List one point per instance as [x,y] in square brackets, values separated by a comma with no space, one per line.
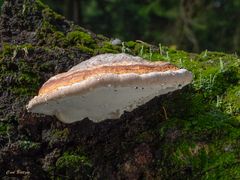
[14,50]
[56,31]
[3,127]
[79,37]
[7,50]
[28,145]
[73,165]
[107,47]
[144,137]
[198,140]
[18,73]
[47,67]
[47,31]
[137,48]
[104,50]
[60,133]
[59,137]
[39,3]
[72,161]
[202,141]
[52,20]
[230,103]
[26,79]
[197,151]
[52,27]
[57,38]
[131,44]
[49,14]
[196,157]
[29,7]
[85,49]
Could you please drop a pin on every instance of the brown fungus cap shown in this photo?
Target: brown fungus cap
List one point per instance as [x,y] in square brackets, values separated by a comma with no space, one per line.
[105,86]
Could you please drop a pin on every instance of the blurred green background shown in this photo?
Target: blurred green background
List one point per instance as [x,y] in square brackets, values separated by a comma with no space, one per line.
[192,25]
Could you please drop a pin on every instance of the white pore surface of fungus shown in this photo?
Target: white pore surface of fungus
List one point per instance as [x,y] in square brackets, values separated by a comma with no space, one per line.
[105,86]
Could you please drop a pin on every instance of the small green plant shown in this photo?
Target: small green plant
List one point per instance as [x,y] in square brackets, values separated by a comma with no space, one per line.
[167,55]
[221,64]
[123,47]
[229,108]
[150,53]
[205,53]
[141,51]
[180,62]
[160,49]
[219,101]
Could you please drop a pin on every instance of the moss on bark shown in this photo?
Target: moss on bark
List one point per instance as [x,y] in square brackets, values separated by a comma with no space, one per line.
[189,134]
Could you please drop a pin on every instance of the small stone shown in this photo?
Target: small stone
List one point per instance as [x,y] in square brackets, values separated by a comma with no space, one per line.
[116,42]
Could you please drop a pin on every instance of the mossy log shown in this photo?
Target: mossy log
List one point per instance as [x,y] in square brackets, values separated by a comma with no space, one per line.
[189,134]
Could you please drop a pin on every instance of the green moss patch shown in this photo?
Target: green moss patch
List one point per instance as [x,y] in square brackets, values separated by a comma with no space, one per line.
[29,146]
[73,165]
[3,128]
[82,38]
[205,138]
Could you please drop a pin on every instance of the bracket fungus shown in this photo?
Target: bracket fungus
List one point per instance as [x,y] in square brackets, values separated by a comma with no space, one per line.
[105,86]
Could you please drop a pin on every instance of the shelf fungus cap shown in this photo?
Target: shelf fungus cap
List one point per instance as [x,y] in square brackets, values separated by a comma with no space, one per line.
[105,86]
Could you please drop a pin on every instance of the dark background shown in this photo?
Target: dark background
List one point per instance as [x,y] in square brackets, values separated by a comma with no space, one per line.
[192,25]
